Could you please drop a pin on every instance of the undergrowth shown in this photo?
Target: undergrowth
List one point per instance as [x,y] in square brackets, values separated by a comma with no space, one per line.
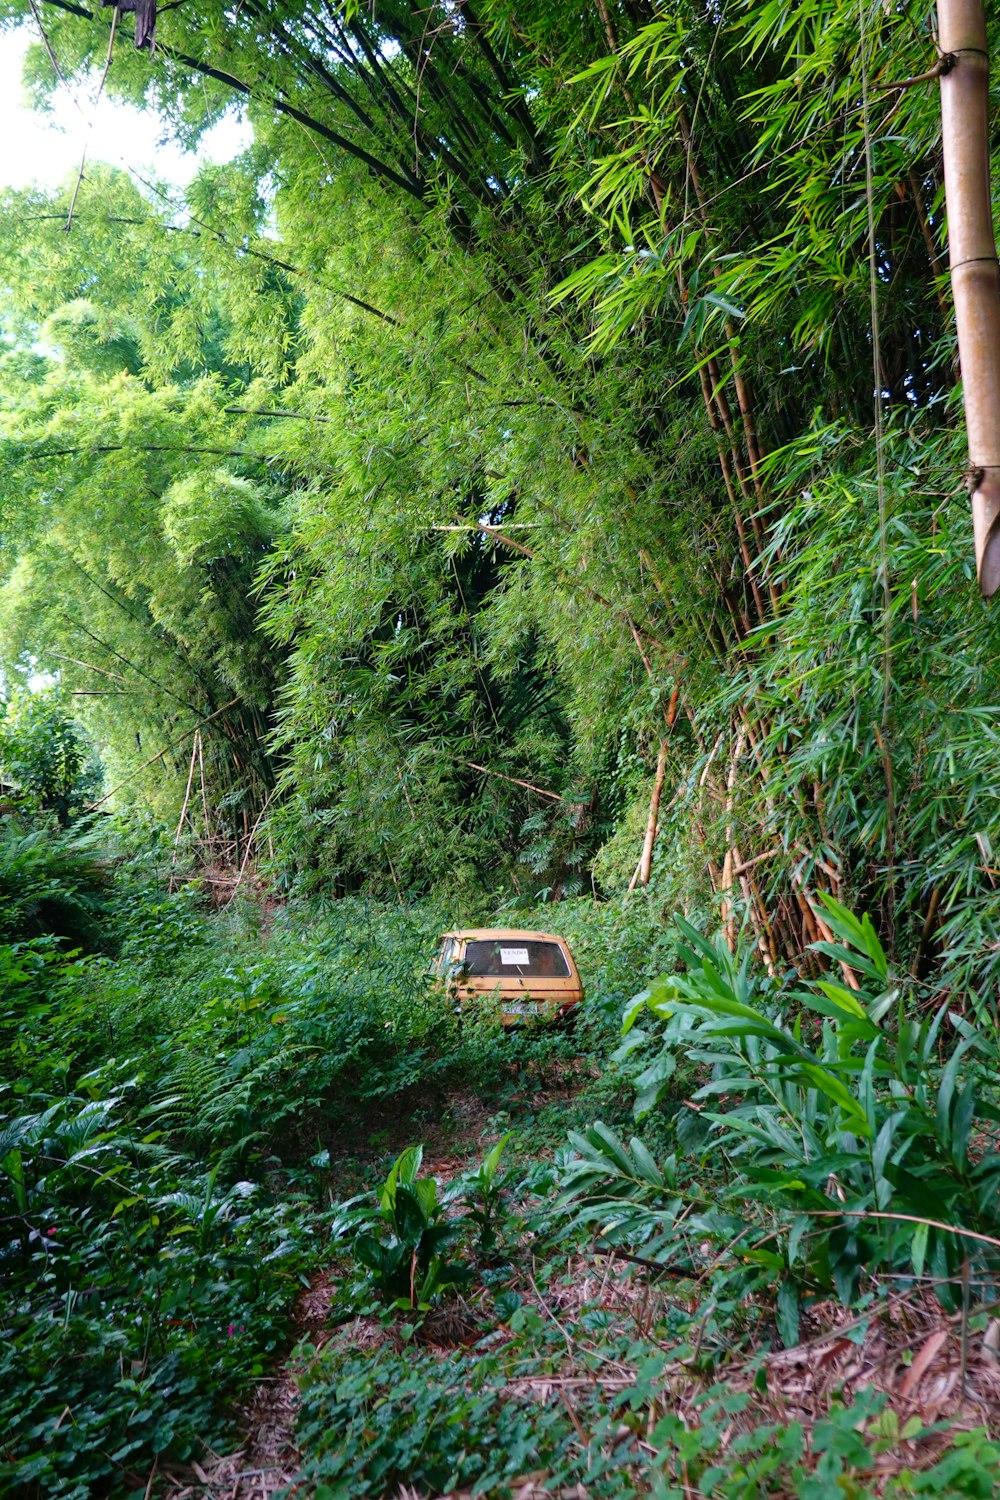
[187,1105]
[179,1107]
[597,1405]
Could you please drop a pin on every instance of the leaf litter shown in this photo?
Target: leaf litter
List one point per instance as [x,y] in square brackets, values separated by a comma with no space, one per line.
[937,1377]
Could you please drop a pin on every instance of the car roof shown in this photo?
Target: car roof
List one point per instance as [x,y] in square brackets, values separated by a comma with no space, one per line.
[525,934]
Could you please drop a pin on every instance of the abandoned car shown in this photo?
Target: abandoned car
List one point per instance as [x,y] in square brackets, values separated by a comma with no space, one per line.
[528,976]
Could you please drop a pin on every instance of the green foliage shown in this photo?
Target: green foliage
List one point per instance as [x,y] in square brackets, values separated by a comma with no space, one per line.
[141,1295]
[44,756]
[208,516]
[483,1419]
[53,881]
[483,1192]
[608,298]
[445,1420]
[398,1422]
[402,1247]
[404,1251]
[173,1112]
[840,1453]
[177,1115]
[866,1130]
[394,500]
[135,592]
[142,1101]
[89,338]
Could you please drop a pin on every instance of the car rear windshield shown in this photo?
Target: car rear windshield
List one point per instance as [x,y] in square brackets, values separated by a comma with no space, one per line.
[498,956]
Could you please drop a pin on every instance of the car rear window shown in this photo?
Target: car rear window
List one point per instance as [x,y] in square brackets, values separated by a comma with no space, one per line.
[498,956]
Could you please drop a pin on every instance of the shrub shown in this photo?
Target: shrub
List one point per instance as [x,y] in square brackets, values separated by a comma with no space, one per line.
[401,1245]
[870,1129]
[45,754]
[141,1297]
[53,881]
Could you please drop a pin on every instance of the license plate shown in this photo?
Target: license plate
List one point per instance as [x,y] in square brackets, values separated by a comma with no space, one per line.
[529,1008]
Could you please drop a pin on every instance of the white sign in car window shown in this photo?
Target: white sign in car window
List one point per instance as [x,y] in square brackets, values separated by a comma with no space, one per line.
[513,955]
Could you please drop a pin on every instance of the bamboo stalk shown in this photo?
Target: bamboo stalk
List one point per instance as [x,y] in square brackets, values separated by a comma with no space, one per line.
[249,848]
[718,395]
[646,862]
[756,912]
[204,792]
[708,395]
[90,806]
[515,780]
[972,255]
[187,794]
[767,921]
[934,259]
[742,865]
[927,931]
[699,738]
[728,915]
[115,676]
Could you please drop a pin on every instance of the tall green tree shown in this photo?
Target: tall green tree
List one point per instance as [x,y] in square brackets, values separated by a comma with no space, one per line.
[136,508]
[43,757]
[650,307]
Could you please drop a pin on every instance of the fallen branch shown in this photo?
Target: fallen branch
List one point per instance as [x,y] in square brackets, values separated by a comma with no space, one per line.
[872,1213]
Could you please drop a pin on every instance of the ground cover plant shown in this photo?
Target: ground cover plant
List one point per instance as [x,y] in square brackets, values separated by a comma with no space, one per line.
[54,882]
[600,1399]
[592,1366]
[176,1110]
[145,1285]
[141,1295]
[691,1380]
[876,1108]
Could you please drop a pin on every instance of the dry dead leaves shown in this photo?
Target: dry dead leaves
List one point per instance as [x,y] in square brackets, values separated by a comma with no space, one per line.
[926,1363]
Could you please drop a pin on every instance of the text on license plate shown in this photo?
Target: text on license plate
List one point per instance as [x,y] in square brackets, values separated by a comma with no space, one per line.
[528,1008]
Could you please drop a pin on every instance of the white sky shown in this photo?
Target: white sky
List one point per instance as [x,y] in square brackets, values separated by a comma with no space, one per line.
[45,148]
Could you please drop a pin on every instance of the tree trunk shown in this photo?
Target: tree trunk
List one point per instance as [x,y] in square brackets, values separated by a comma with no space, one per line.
[975,273]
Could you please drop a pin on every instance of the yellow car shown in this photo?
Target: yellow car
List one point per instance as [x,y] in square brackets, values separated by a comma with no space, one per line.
[531,976]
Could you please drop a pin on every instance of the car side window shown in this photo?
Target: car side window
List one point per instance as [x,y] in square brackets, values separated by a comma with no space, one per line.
[445,956]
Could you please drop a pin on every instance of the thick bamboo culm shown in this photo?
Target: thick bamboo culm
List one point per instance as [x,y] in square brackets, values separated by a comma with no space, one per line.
[972,254]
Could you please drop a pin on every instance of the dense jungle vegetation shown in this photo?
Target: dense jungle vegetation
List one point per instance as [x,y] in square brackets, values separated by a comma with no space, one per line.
[526,487]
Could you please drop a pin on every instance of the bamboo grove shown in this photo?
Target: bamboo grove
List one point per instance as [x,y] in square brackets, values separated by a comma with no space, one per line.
[535,464]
